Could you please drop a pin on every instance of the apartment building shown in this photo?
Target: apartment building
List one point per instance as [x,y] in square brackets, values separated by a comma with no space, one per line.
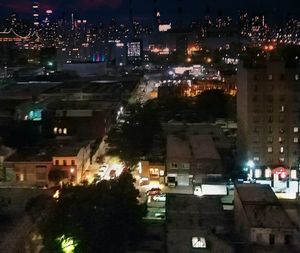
[268,114]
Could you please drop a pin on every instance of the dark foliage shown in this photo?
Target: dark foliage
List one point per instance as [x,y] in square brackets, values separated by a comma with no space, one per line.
[56,175]
[101,218]
[134,139]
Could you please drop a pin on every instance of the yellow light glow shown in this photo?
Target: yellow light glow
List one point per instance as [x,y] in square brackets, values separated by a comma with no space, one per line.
[208,60]
[68,245]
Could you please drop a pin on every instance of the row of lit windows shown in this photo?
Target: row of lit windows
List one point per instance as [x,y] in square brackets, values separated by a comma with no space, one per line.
[281,139]
[57,130]
[64,162]
[281,130]
[258,173]
[281,150]
[280,159]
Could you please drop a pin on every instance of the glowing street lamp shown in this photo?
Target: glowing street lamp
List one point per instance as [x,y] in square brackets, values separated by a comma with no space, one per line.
[250,164]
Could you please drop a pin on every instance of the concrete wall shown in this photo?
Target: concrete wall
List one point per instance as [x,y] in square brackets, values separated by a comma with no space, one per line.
[31,173]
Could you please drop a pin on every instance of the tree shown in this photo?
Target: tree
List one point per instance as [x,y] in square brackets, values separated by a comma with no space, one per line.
[98,218]
[134,138]
[212,104]
[56,175]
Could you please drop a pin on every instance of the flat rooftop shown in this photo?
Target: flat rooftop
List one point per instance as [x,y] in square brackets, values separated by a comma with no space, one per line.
[190,216]
[188,147]
[256,193]
[262,207]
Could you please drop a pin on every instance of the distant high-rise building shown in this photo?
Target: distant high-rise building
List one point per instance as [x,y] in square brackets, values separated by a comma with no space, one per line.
[35,13]
[135,51]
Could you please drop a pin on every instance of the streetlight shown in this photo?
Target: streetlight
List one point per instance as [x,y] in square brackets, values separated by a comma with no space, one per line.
[250,164]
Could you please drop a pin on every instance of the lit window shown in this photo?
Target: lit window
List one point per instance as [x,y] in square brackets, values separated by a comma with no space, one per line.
[198,242]
[270,77]
[296,139]
[281,150]
[296,129]
[185,165]
[281,159]
[161,173]
[282,108]
[257,173]
[154,172]
[256,158]
[270,149]
[59,130]
[280,139]
[296,77]
[65,131]
[55,130]
[268,173]
[293,174]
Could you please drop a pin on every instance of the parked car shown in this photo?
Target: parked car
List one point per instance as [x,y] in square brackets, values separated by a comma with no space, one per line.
[160,198]
[154,191]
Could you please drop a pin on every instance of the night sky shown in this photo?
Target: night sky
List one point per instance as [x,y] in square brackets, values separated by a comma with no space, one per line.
[104,9]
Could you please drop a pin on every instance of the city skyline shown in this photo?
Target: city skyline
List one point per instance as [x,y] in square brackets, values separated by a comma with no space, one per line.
[98,10]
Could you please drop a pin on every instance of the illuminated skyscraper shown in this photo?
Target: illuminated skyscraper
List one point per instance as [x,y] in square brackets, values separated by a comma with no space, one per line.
[35,13]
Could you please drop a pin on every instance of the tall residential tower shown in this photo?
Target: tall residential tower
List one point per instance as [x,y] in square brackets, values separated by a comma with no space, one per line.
[268,110]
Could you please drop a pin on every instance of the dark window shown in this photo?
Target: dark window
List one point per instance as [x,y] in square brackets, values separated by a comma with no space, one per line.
[270,99]
[73,162]
[174,165]
[271,239]
[56,162]
[287,239]
[270,119]
[64,162]
[281,98]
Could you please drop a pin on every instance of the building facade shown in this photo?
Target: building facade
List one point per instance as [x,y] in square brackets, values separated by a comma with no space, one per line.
[260,219]
[190,158]
[268,114]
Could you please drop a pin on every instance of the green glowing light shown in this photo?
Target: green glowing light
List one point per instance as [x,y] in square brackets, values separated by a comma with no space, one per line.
[68,245]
